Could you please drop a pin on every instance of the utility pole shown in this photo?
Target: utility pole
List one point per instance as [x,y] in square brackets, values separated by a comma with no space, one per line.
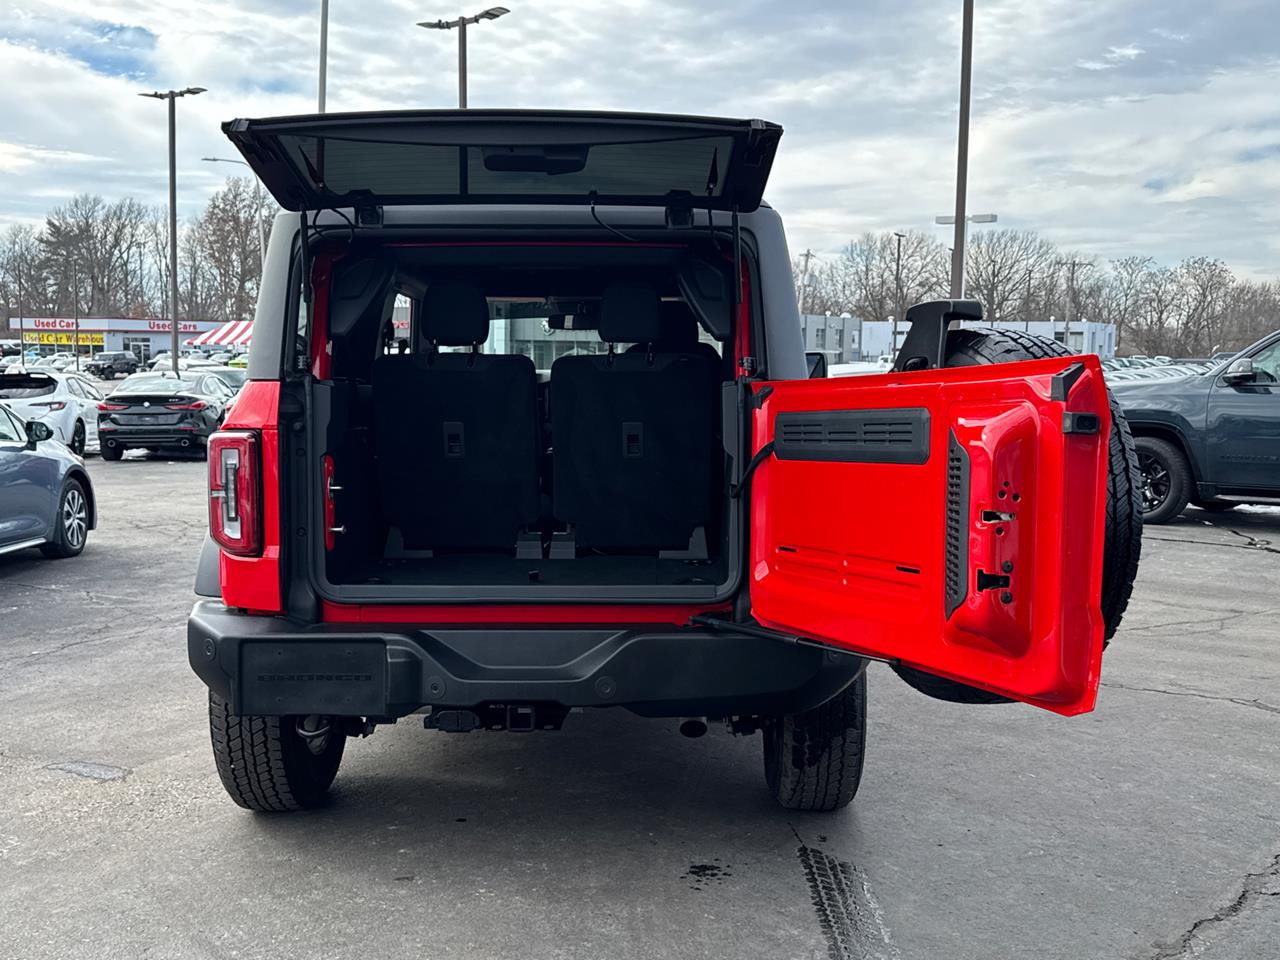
[324,54]
[1071,296]
[172,97]
[1026,305]
[75,309]
[897,294]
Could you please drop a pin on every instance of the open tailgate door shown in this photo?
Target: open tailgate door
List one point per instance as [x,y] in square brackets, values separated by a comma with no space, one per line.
[508,156]
[952,520]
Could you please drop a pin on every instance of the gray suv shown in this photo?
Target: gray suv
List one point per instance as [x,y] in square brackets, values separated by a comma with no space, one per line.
[529,429]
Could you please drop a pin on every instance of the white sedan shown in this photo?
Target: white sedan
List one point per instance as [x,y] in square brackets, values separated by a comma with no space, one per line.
[67,402]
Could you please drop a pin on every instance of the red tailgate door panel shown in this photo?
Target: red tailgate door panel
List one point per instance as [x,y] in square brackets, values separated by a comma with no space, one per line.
[950,519]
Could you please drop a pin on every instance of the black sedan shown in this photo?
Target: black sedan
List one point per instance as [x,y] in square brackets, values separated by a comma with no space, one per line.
[158,411]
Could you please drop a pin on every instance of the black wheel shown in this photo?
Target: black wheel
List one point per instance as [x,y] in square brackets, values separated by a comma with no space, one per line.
[71,525]
[110,453]
[1166,480]
[1216,506]
[77,439]
[813,760]
[266,764]
[1123,537]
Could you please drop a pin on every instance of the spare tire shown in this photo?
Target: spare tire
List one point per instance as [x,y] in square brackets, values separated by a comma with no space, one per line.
[971,346]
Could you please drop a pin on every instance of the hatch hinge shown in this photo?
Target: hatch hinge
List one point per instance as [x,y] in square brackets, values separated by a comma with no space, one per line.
[755,630]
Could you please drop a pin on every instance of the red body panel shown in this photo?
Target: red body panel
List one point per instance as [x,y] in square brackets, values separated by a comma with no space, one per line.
[253,583]
[429,615]
[854,553]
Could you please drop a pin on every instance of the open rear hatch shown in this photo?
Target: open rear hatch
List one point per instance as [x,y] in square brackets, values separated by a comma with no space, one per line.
[411,157]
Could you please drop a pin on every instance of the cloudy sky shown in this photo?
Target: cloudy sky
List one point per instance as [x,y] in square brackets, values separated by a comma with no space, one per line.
[1112,126]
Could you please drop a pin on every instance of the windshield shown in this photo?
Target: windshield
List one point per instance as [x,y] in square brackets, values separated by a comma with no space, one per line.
[154,383]
[18,386]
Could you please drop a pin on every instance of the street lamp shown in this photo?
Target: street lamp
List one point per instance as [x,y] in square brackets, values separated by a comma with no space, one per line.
[962,153]
[172,97]
[958,251]
[493,13]
[257,200]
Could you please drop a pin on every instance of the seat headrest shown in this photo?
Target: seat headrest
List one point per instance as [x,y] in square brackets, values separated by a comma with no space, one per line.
[454,313]
[679,328]
[629,313]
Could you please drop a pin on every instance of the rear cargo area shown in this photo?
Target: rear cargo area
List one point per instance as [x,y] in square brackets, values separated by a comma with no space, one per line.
[524,422]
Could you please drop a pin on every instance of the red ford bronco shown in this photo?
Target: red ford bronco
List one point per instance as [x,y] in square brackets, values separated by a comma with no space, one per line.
[529,428]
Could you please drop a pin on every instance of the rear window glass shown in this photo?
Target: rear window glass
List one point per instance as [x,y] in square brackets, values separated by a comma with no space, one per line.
[150,383]
[694,165]
[18,386]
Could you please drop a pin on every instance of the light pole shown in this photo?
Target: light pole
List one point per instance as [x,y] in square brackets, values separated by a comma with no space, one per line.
[962,151]
[1071,295]
[172,97]
[257,201]
[958,251]
[324,53]
[897,293]
[493,13]
[75,310]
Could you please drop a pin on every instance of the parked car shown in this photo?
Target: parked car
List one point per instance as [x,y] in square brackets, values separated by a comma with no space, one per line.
[158,411]
[240,360]
[222,357]
[233,377]
[678,521]
[67,402]
[1211,439]
[46,497]
[108,363]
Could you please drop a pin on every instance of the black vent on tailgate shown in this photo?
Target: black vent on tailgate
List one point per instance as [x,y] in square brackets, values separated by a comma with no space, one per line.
[854,436]
[956,580]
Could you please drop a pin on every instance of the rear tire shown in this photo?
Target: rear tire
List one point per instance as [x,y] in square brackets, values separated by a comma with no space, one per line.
[265,765]
[77,439]
[110,453]
[972,346]
[813,760]
[1166,480]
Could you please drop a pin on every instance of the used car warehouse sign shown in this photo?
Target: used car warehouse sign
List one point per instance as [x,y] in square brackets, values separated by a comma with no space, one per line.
[87,338]
[111,325]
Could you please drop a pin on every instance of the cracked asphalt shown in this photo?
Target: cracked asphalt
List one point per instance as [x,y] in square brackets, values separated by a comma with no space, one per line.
[1149,829]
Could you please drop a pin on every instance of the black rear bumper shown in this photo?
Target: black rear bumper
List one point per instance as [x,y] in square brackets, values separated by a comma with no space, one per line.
[273,666]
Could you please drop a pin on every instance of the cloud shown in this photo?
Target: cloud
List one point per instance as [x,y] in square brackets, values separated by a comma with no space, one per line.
[1089,124]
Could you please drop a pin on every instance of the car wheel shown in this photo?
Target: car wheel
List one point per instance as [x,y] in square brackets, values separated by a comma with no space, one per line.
[110,452]
[1166,480]
[71,525]
[813,760]
[265,764]
[1122,545]
[77,439]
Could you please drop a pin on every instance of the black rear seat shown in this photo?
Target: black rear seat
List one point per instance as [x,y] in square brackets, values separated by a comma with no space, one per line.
[456,433]
[634,433]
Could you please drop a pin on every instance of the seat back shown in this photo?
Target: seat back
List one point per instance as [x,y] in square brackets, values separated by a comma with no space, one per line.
[456,434]
[633,434]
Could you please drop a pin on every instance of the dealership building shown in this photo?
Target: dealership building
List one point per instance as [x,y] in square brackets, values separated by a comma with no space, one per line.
[146,338]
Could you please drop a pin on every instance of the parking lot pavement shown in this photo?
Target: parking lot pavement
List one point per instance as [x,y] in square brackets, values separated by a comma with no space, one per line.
[1148,829]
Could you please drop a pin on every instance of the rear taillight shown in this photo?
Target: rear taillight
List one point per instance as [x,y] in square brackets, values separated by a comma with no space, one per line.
[108,407]
[193,405]
[51,404]
[235,492]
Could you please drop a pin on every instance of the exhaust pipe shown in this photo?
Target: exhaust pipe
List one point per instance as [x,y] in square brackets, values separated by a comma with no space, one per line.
[186,442]
[693,728]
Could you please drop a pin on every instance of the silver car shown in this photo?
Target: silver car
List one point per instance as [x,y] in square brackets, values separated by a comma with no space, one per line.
[46,498]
